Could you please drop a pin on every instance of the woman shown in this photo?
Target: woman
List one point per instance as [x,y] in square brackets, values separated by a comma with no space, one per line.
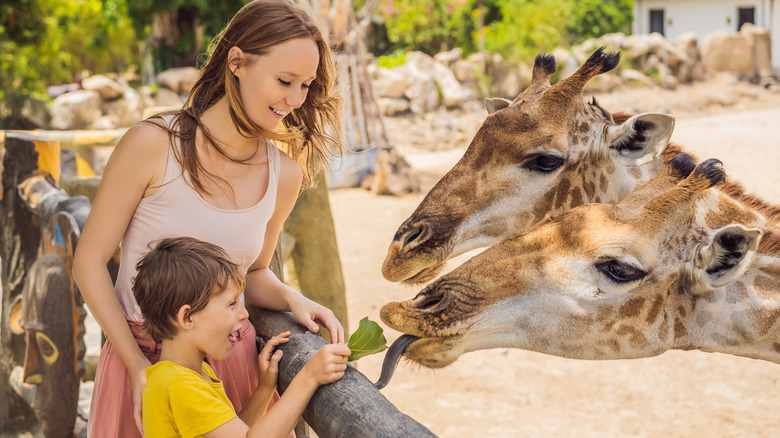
[209,171]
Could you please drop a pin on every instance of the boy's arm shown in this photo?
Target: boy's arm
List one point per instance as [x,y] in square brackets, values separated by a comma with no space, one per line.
[257,405]
[326,366]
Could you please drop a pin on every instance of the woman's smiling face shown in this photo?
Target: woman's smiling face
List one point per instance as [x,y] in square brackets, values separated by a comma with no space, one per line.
[274,84]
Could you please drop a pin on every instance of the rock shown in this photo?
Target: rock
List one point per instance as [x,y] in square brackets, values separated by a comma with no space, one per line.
[746,53]
[421,87]
[179,80]
[105,122]
[392,107]
[166,97]
[107,88]
[127,110]
[465,71]
[635,78]
[449,58]
[75,110]
[389,83]
[35,112]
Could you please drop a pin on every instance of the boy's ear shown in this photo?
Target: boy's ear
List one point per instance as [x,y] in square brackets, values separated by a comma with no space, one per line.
[183,316]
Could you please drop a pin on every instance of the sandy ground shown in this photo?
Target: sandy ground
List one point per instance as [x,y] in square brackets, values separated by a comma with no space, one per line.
[516,393]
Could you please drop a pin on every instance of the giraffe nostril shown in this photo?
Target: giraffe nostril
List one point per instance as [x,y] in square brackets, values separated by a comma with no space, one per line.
[429,301]
[415,235]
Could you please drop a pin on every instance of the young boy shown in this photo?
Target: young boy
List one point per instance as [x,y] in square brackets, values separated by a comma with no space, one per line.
[189,293]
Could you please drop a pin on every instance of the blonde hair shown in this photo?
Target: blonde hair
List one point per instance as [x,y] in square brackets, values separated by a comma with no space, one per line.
[178,271]
[310,131]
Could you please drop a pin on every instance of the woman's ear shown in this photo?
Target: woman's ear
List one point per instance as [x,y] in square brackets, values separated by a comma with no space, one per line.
[183,317]
[235,55]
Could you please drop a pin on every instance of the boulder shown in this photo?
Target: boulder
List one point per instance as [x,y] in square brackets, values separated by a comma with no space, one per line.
[389,83]
[107,88]
[391,107]
[179,80]
[126,110]
[746,53]
[75,110]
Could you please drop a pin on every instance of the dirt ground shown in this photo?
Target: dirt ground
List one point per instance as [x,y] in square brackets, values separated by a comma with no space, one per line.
[514,393]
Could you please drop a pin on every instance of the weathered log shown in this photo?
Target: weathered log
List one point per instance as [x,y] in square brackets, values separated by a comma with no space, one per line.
[349,407]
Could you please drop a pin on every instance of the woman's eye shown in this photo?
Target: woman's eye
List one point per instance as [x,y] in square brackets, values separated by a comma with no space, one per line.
[306,86]
[620,272]
[285,83]
[544,163]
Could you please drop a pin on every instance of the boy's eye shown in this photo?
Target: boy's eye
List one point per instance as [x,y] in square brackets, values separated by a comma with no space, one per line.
[283,82]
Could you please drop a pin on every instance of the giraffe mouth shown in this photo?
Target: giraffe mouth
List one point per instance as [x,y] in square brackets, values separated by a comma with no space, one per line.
[425,275]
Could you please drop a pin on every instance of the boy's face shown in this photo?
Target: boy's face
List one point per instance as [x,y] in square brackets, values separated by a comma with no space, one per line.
[215,324]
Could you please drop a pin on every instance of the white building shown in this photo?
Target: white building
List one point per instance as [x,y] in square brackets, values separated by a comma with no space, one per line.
[672,18]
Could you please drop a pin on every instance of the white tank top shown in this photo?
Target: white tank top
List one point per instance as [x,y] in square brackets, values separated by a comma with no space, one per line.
[176,209]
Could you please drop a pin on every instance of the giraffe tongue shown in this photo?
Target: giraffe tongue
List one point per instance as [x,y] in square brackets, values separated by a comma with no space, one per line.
[392,357]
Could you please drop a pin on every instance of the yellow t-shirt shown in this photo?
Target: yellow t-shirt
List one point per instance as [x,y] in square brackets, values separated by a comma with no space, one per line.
[178,402]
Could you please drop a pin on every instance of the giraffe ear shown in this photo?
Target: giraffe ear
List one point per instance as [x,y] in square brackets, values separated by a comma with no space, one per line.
[493,104]
[639,139]
[726,257]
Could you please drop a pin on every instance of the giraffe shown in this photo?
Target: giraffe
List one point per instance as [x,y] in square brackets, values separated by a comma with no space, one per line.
[676,265]
[534,158]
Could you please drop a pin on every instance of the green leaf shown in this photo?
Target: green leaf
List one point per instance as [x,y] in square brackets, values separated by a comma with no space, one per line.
[368,339]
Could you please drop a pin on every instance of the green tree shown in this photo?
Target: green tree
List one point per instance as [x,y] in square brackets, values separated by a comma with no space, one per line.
[178,31]
[593,18]
[527,27]
[46,42]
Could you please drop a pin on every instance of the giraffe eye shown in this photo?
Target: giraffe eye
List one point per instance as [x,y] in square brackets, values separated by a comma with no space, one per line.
[544,163]
[620,272]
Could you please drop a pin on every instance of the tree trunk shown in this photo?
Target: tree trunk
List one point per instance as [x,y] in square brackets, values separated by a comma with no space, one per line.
[349,407]
[314,266]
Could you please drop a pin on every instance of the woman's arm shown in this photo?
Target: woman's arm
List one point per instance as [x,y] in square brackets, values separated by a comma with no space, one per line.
[134,165]
[263,288]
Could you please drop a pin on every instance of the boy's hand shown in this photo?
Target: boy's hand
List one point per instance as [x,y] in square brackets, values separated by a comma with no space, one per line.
[268,361]
[328,364]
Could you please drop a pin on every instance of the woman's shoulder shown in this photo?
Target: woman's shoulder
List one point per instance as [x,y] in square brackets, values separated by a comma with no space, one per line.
[290,172]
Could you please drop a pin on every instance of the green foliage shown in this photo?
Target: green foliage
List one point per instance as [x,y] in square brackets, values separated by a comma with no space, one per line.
[430,26]
[211,16]
[518,29]
[392,60]
[45,42]
[527,27]
[367,339]
[593,18]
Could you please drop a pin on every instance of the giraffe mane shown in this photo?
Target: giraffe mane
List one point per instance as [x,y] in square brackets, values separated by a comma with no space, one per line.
[770,242]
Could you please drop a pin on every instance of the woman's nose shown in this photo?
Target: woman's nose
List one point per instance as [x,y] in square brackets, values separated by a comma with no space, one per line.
[295,98]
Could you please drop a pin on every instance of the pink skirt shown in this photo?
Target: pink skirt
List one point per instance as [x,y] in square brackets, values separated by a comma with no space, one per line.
[111,409]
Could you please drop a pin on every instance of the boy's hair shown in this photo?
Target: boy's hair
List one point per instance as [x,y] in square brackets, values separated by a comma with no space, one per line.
[179,271]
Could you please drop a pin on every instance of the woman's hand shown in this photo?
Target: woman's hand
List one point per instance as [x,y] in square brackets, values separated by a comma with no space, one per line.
[268,361]
[138,382]
[309,313]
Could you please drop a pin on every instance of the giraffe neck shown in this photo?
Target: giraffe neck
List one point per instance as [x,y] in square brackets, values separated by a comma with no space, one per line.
[742,319]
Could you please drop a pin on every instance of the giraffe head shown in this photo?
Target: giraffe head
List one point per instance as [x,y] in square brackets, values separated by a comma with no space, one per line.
[534,158]
[600,282]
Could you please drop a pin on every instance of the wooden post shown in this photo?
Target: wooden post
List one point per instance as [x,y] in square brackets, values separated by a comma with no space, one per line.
[349,407]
